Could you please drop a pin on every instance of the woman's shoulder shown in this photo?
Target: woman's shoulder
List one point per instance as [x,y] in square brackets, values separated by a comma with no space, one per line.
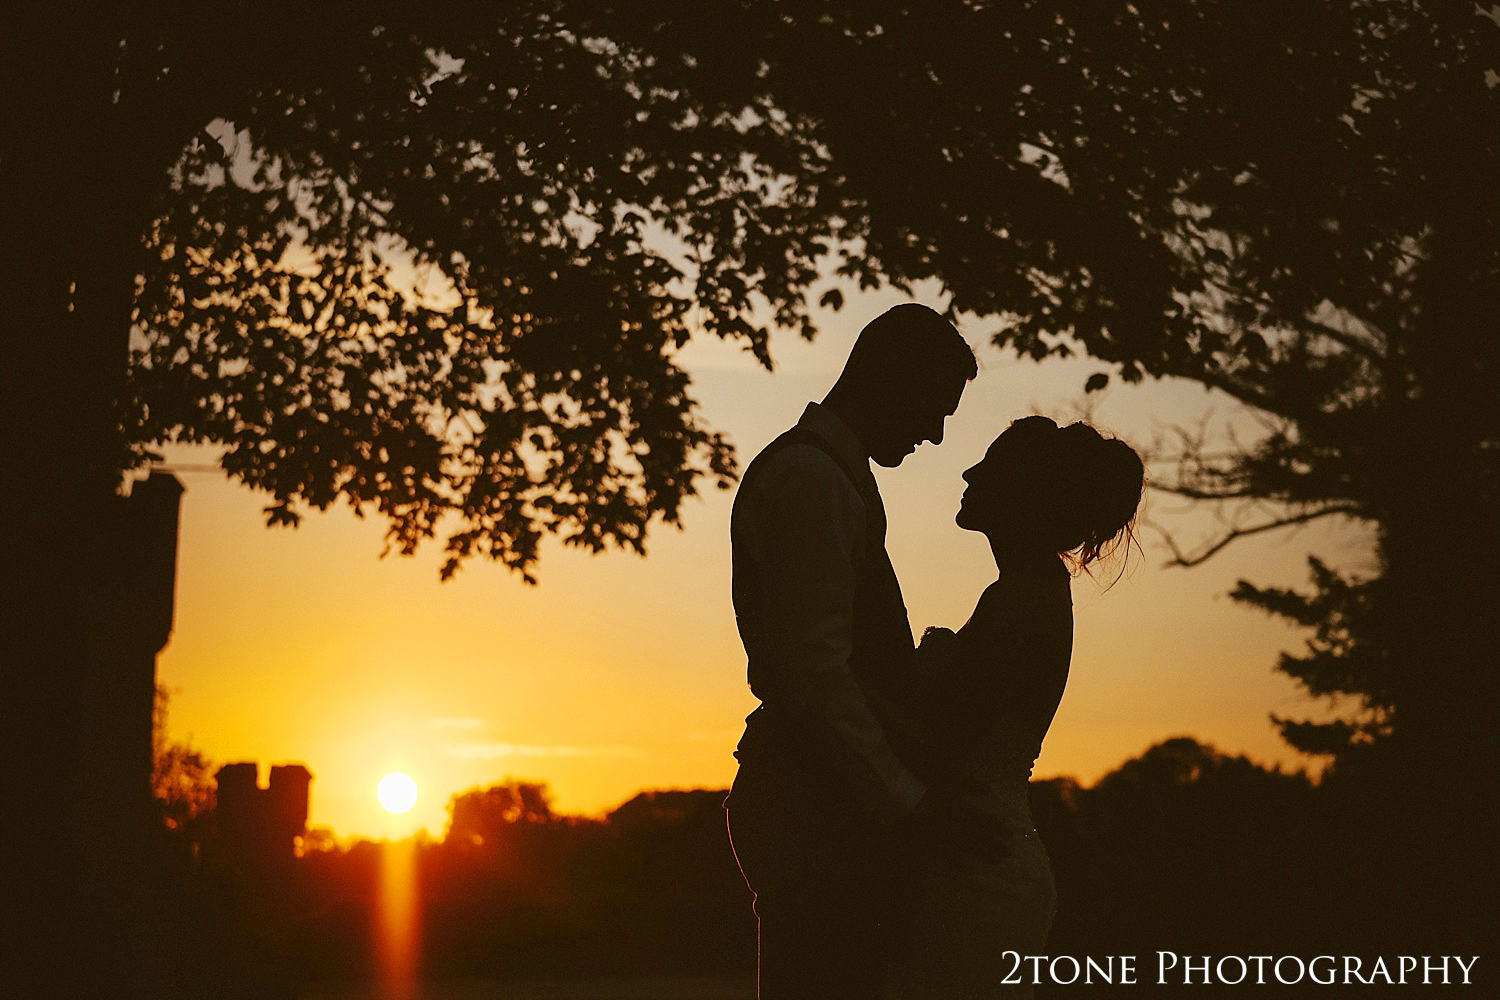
[1028,593]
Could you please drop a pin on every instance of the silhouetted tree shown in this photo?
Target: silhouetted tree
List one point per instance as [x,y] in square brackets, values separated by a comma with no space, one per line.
[1348,657]
[1268,202]
[1185,843]
[1181,846]
[538,180]
[672,890]
[564,208]
[318,840]
[207,205]
[1287,203]
[481,815]
[182,781]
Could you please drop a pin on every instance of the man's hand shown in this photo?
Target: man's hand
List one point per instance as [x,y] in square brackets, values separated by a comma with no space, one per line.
[945,821]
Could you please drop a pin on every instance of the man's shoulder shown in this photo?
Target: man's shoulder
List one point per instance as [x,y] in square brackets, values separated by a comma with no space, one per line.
[796,454]
[795,470]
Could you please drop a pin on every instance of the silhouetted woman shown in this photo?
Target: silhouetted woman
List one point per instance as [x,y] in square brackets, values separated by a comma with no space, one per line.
[1050,500]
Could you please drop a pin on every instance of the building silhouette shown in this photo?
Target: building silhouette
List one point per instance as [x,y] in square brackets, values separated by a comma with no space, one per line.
[257,828]
[250,862]
[145,577]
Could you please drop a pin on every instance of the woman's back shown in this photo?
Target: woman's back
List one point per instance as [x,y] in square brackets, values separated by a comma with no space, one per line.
[992,689]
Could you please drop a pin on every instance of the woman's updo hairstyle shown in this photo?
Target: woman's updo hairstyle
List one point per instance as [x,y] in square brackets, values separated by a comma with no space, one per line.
[1113,479]
[1091,485]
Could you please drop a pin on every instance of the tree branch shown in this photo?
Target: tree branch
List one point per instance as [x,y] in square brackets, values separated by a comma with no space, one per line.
[1186,561]
[1191,493]
[1247,394]
[1345,338]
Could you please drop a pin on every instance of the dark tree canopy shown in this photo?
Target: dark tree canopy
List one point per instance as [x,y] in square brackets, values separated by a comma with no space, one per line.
[1347,658]
[1275,200]
[1284,201]
[1288,203]
[577,218]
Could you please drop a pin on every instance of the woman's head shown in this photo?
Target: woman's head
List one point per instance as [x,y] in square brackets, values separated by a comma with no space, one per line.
[1042,488]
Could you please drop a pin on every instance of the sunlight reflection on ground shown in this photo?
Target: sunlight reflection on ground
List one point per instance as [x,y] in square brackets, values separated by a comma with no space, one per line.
[657,988]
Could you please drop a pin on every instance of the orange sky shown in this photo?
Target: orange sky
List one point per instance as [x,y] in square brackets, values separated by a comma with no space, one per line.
[618,673]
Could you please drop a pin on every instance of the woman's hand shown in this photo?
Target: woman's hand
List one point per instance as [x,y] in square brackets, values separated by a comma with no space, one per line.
[936,640]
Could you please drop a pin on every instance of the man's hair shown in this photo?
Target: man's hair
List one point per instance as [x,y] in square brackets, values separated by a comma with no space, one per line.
[910,343]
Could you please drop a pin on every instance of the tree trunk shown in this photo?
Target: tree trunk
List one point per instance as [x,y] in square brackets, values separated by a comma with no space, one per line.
[1440,545]
[74,212]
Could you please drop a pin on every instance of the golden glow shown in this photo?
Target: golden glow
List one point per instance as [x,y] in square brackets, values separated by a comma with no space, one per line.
[397,793]
[396,931]
[618,674]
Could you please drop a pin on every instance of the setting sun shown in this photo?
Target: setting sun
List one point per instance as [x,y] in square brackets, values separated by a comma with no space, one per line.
[397,792]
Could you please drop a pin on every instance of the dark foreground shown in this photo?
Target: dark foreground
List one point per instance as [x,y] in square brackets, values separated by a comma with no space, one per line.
[607,988]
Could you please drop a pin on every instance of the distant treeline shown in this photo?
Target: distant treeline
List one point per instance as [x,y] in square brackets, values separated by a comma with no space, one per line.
[1182,848]
[516,890]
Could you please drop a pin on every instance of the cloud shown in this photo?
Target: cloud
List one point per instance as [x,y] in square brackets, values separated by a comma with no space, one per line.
[456,722]
[491,749]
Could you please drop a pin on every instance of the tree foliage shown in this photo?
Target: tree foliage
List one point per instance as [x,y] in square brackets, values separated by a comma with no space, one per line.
[1288,203]
[1345,657]
[182,781]
[443,268]
[484,815]
[1285,202]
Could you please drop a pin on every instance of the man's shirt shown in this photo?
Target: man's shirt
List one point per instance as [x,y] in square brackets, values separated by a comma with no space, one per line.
[800,531]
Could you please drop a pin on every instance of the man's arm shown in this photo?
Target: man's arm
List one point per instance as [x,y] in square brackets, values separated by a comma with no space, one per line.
[810,533]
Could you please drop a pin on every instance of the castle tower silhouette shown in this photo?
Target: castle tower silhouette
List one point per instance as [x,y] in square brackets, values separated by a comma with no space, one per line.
[258,827]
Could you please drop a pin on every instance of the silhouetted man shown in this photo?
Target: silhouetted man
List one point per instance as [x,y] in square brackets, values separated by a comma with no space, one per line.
[821,794]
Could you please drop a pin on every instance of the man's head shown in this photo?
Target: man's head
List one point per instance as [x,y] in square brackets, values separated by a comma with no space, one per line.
[903,378]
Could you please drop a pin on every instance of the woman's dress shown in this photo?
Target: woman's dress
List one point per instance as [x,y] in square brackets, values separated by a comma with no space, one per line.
[983,700]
